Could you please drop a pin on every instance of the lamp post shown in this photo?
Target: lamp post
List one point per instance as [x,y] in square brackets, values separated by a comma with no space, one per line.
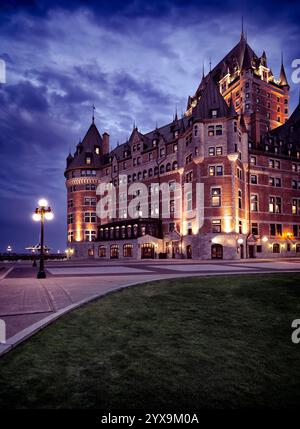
[42,212]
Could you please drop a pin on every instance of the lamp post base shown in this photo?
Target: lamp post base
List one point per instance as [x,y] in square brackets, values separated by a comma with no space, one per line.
[41,275]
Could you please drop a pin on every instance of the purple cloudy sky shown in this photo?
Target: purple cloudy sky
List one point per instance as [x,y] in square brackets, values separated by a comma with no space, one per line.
[135,60]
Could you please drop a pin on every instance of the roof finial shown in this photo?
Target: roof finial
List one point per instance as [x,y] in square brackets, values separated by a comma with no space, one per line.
[203,73]
[93,116]
[209,64]
[176,115]
[242,33]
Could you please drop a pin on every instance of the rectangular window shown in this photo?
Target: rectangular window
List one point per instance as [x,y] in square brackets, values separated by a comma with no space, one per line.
[275,229]
[211,151]
[219,150]
[219,170]
[70,218]
[70,236]
[296,206]
[211,131]
[216,197]
[89,235]
[253,179]
[216,225]
[254,203]
[189,177]
[211,171]
[240,198]
[189,206]
[254,228]
[275,205]
[253,160]
[70,204]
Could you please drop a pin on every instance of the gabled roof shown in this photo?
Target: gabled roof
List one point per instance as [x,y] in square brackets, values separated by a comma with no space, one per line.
[282,77]
[87,146]
[211,99]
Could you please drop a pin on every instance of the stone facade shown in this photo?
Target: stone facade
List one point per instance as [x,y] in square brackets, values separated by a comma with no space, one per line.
[235,139]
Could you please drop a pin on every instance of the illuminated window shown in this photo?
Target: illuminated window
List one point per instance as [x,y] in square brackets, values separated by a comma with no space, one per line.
[101,251]
[216,197]
[254,203]
[127,250]
[216,225]
[275,205]
[89,235]
[70,236]
[296,206]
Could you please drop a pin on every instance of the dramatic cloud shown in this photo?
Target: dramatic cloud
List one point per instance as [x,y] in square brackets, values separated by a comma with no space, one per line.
[136,61]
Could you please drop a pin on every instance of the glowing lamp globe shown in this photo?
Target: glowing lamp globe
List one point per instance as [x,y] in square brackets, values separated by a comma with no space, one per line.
[49,215]
[265,239]
[240,241]
[43,202]
[36,217]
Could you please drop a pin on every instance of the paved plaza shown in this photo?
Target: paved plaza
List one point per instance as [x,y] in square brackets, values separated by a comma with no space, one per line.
[27,304]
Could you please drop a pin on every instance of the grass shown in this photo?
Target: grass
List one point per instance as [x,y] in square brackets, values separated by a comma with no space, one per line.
[222,342]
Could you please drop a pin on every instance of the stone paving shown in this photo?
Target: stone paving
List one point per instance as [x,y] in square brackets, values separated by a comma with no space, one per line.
[27,304]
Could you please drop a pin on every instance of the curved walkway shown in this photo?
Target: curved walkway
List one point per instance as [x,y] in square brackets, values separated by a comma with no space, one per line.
[27,304]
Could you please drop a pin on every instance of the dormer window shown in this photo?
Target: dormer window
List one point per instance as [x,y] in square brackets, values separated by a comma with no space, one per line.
[154,142]
[97,150]
[214,113]
[88,159]
[176,133]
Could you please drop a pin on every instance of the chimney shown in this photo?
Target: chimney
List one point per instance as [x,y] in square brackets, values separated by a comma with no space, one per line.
[105,138]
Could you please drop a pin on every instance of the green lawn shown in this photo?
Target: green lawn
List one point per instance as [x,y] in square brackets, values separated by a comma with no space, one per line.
[196,342]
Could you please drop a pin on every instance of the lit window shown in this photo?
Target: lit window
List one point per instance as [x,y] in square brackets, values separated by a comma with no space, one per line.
[216,197]
[216,225]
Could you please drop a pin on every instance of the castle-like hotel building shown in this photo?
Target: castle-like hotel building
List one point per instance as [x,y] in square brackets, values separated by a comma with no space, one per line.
[237,138]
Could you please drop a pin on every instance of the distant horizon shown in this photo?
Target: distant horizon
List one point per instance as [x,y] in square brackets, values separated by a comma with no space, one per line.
[135,61]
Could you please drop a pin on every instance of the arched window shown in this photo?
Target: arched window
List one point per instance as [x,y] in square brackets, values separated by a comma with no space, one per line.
[276,248]
[216,251]
[114,251]
[139,175]
[127,250]
[144,174]
[129,178]
[102,251]
[134,177]
[168,167]
[175,165]
[155,171]
[162,169]
[150,172]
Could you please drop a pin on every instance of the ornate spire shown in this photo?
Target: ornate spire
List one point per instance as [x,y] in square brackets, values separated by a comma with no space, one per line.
[93,113]
[282,77]
[242,30]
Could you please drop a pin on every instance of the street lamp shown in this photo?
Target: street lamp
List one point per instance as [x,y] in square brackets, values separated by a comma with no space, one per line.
[42,212]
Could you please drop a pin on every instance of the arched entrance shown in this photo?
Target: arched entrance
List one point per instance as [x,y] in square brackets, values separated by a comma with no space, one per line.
[216,251]
[189,251]
[147,251]
[114,251]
